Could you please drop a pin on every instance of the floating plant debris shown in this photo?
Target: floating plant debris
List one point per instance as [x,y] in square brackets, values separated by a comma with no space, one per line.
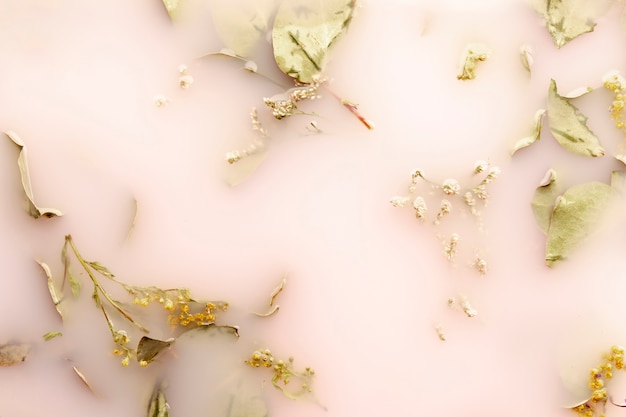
[598,381]
[576,214]
[544,199]
[472,54]
[51,288]
[534,136]
[616,83]
[75,284]
[284,372]
[13,354]
[273,296]
[51,335]
[303,32]
[82,378]
[464,305]
[440,333]
[22,162]
[148,349]
[158,406]
[569,126]
[527,57]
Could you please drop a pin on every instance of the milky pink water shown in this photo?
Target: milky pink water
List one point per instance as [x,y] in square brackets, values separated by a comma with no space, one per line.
[367,283]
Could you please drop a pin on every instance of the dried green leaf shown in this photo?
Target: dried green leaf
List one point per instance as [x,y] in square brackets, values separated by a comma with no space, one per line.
[534,136]
[51,335]
[75,284]
[51,288]
[568,19]
[576,213]
[240,24]
[303,32]
[82,378]
[22,163]
[100,268]
[569,126]
[148,348]
[618,181]
[158,406]
[544,199]
[13,354]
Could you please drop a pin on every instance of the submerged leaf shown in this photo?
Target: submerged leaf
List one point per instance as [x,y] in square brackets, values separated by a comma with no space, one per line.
[544,199]
[101,268]
[569,126]
[576,213]
[13,354]
[527,56]
[22,163]
[240,24]
[618,181]
[304,30]
[148,348]
[534,136]
[51,288]
[68,274]
[158,406]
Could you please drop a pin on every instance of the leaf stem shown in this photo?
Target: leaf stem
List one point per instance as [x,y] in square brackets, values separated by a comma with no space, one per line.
[98,287]
[351,107]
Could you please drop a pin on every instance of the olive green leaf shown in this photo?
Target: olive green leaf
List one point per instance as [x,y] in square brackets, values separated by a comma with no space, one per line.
[51,287]
[576,213]
[148,348]
[158,406]
[544,199]
[75,284]
[22,163]
[240,24]
[100,268]
[303,32]
[12,354]
[618,181]
[534,136]
[569,126]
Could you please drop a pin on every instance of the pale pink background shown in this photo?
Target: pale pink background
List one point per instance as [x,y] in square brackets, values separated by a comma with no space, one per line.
[366,282]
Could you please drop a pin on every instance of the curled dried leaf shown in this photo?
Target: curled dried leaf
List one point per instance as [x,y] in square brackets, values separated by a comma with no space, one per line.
[534,136]
[172,7]
[569,126]
[22,162]
[51,287]
[13,354]
[544,199]
[303,32]
[527,56]
[575,216]
[148,348]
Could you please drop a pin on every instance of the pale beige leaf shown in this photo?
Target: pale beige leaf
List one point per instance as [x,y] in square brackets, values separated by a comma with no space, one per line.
[158,406]
[534,136]
[575,216]
[240,24]
[569,126]
[22,163]
[172,7]
[82,377]
[527,56]
[544,199]
[51,287]
[304,30]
